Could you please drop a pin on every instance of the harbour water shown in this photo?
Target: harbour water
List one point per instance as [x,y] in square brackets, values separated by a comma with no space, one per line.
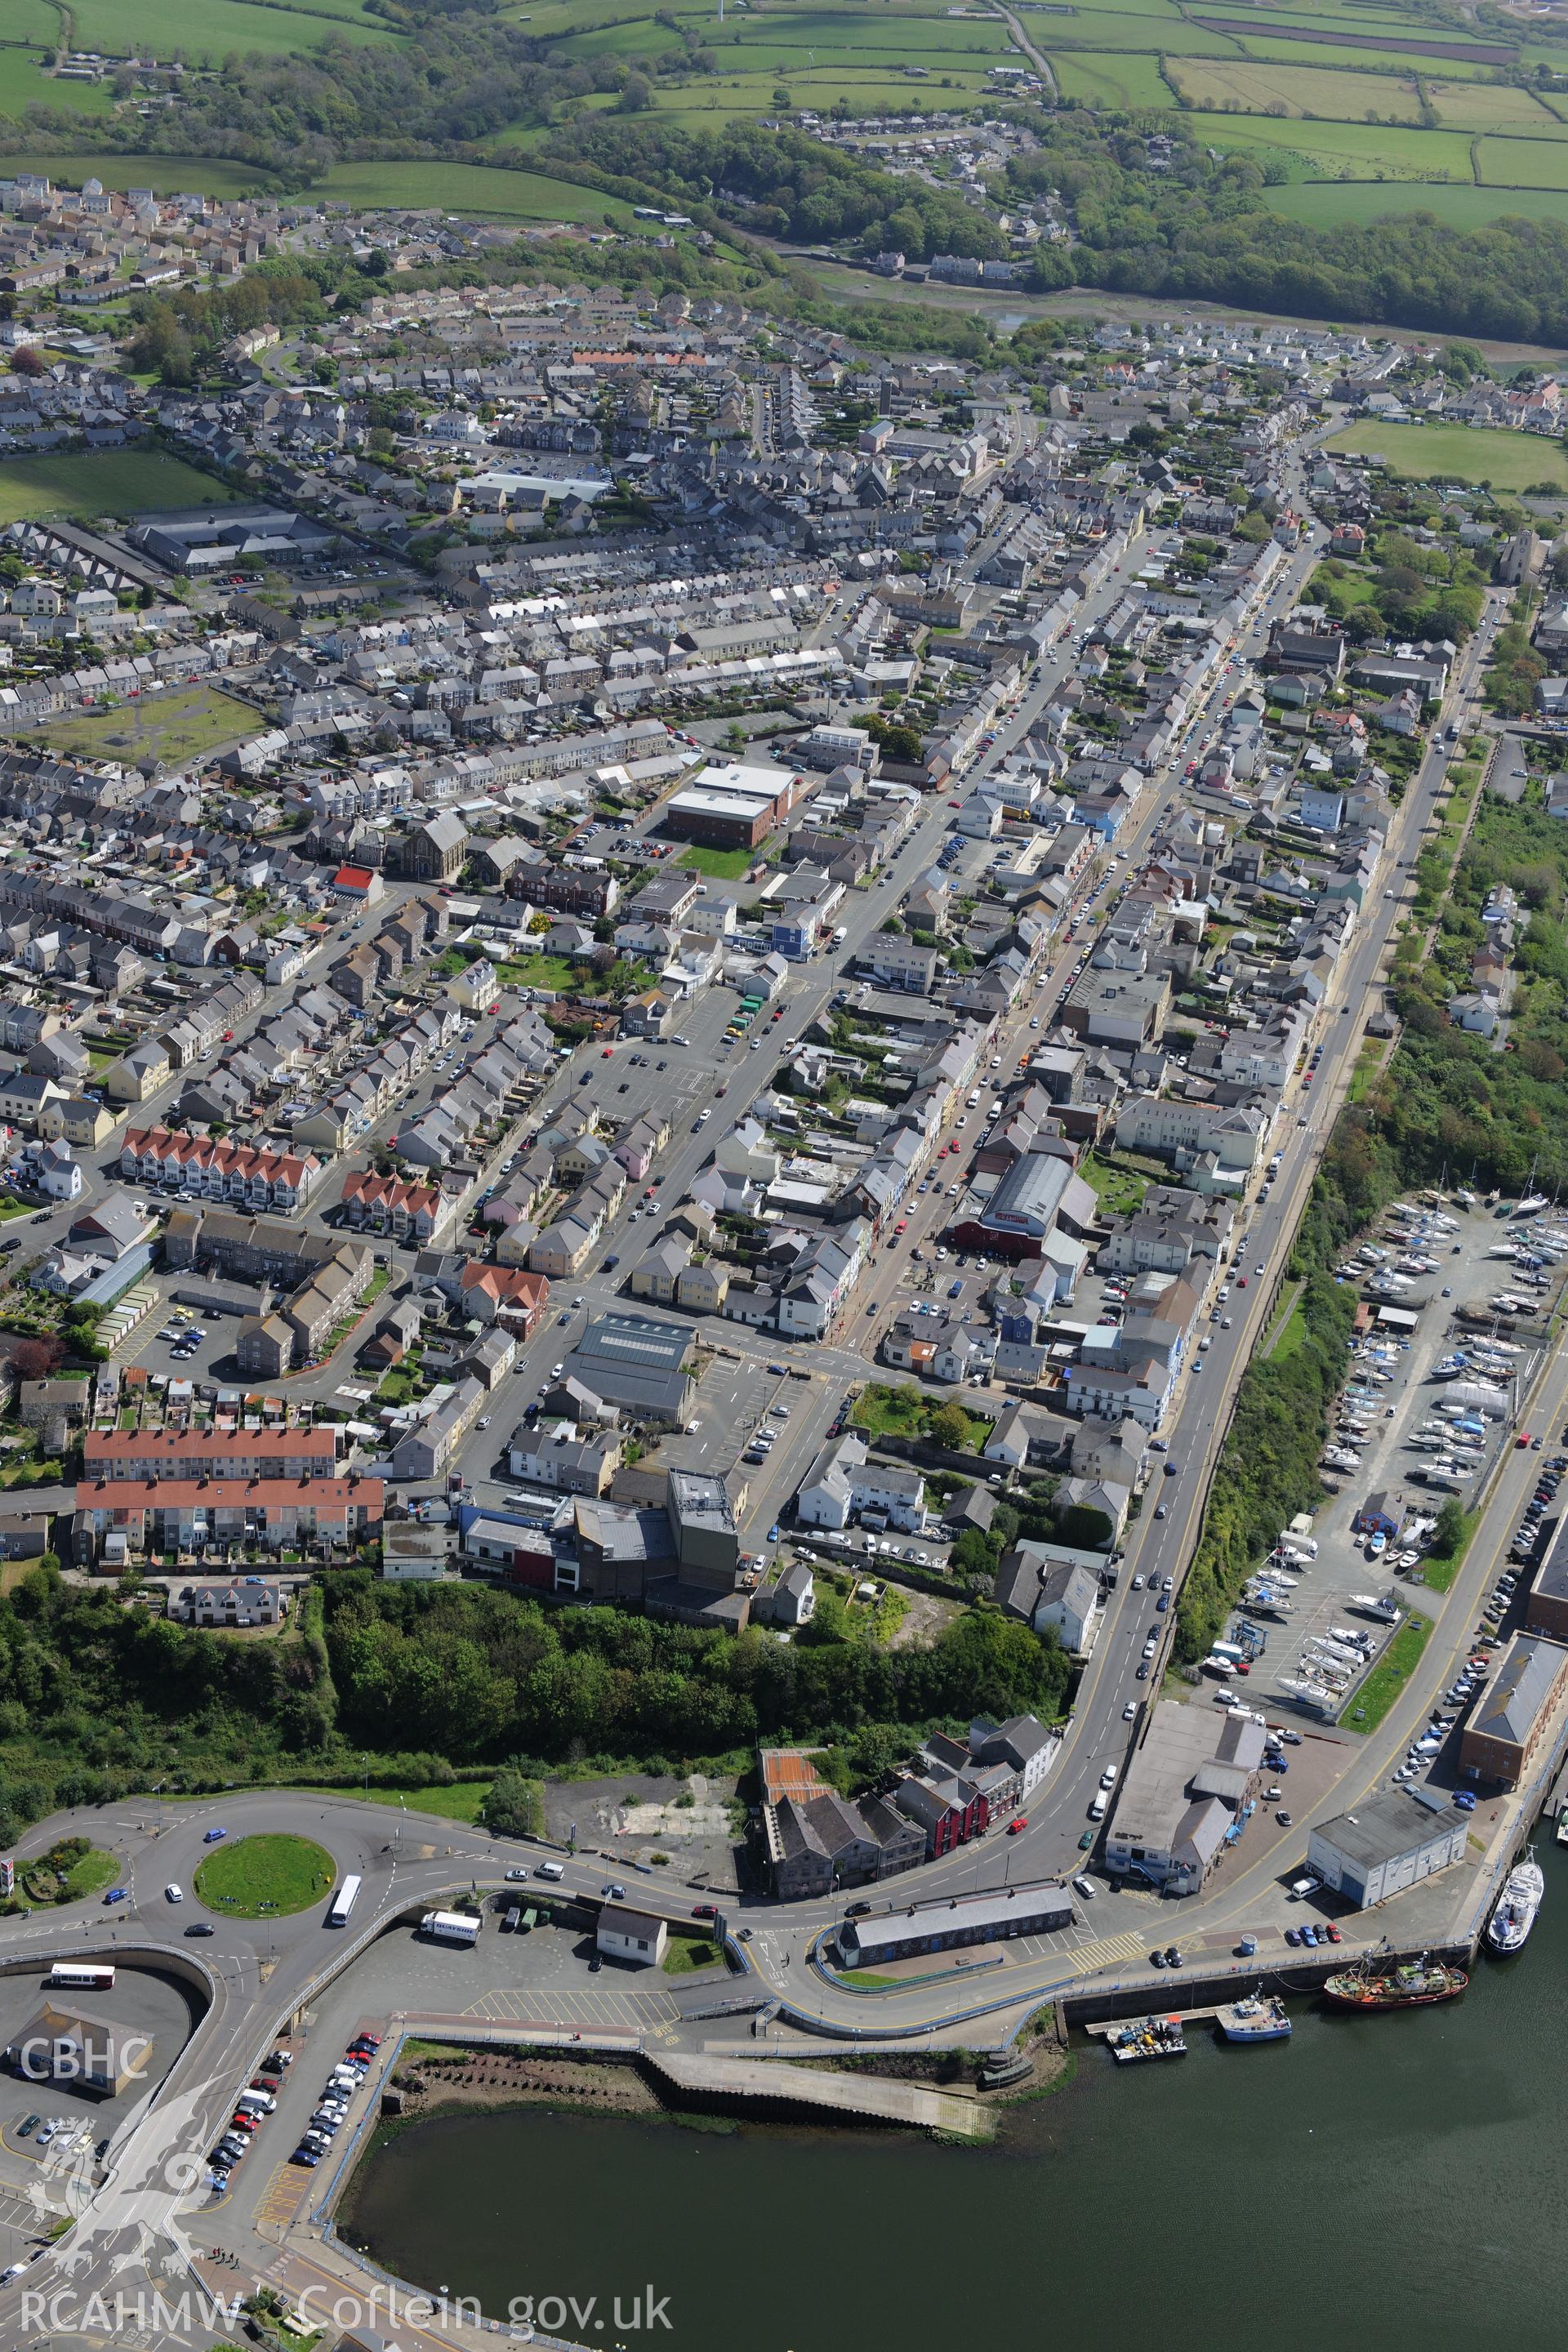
[1398,2175]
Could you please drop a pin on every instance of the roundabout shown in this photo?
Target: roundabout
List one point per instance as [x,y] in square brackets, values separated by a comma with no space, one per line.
[266,1876]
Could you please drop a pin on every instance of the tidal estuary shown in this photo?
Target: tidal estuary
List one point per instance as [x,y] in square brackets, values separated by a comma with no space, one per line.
[1394,2181]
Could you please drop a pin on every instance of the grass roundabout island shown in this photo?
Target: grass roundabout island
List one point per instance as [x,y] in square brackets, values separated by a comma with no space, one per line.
[264,1877]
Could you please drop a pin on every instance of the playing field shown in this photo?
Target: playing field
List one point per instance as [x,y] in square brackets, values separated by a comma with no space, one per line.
[103,482]
[1466,453]
[171,727]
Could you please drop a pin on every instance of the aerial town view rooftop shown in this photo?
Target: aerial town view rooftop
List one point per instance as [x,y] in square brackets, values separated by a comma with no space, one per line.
[783,1170]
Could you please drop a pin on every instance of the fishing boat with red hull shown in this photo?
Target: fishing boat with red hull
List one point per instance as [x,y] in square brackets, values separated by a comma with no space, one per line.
[1407,1984]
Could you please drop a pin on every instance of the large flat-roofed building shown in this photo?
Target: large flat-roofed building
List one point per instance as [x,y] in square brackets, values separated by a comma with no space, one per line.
[949,1927]
[1506,1736]
[730,806]
[1391,1842]
[1546,1603]
[1188,1779]
[636,1363]
[720,820]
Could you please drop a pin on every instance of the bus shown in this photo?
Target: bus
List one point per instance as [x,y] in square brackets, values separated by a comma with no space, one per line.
[344,1902]
[82,1975]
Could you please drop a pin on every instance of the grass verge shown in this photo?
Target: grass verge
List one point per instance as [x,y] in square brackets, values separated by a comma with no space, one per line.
[1289,1327]
[1440,1573]
[461,1800]
[1388,1678]
[687,1954]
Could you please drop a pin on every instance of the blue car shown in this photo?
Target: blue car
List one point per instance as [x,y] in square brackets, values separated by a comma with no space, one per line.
[211,1837]
[1309,1936]
[1163,1604]
[307,2157]
[115,1895]
[1465,1801]
[1292,1935]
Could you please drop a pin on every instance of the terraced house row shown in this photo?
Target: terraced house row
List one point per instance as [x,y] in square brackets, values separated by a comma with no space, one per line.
[212,1169]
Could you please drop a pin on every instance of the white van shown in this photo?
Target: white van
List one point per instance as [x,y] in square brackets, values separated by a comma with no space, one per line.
[1097,1810]
[255,2103]
[550,1870]
[1085,1887]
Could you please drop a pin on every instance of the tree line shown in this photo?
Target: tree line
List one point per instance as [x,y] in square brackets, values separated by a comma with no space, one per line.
[102,1697]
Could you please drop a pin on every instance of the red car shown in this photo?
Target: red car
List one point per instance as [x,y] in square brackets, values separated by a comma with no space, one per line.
[1241,1281]
[1021,1823]
[901,1226]
[606,1053]
[1332,1932]
[705,1911]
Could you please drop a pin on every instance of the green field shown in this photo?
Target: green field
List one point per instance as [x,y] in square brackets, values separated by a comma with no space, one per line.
[1356,151]
[167,175]
[24,82]
[1301,90]
[207,30]
[258,1877]
[103,482]
[1523,163]
[719,864]
[557,973]
[1469,453]
[1105,80]
[1492,106]
[173,728]
[485,192]
[1324,203]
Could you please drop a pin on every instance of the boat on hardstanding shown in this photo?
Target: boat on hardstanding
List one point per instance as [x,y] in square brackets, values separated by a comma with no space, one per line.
[1519,1901]
[1147,2037]
[1260,2017]
[1562,1823]
[1403,1984]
